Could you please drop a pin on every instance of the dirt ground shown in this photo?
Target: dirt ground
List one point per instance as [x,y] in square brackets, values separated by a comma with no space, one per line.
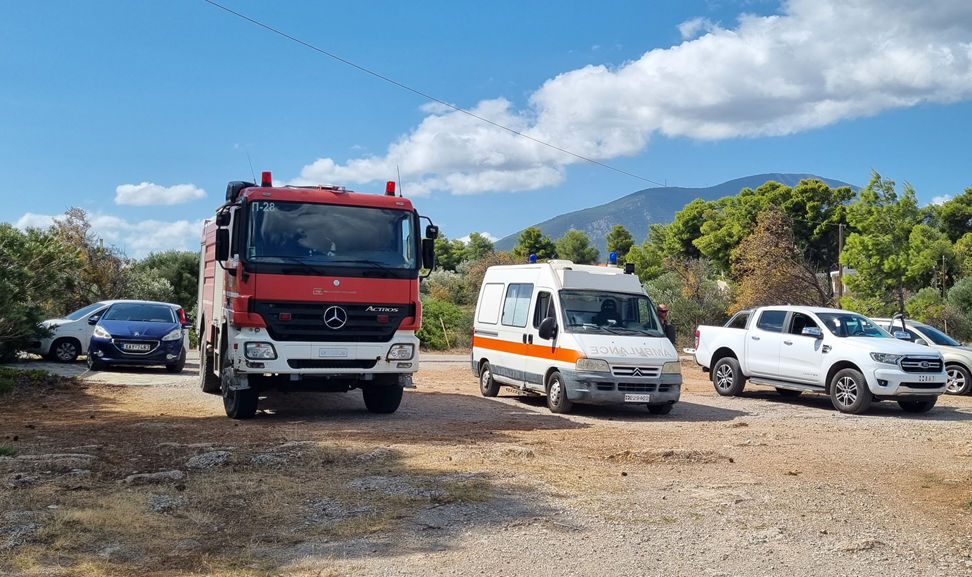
[137,472]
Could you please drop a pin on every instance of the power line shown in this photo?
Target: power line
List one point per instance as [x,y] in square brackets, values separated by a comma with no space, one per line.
[426,95]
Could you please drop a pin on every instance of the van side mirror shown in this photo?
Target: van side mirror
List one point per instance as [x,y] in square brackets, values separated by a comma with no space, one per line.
[814,332]
[548,328]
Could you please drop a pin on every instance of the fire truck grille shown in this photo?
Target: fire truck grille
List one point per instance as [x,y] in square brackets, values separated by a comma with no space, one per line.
[323,322]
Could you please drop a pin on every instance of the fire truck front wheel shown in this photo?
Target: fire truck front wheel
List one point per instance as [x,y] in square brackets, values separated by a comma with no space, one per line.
[382,398]
[240,404]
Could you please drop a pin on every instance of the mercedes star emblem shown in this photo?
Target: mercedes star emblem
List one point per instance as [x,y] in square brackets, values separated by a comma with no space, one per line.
[335,317]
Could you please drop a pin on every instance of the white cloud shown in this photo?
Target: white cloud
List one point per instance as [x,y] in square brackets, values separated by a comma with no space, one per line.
[694,27]
[940,200]
[148,193]
[817,62]
[31,220]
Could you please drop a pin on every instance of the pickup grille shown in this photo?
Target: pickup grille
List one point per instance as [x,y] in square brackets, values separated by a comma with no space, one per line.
[921,365]
[302,321]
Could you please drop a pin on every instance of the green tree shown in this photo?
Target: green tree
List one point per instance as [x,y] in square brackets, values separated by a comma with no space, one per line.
[677,239]
[575,246]
[647,260]
[477,247]
[931,258]
[879,247]
[180,269]
[448,254]
[619,241]
[35,272]
[963,255]
[955,215]
[533,241]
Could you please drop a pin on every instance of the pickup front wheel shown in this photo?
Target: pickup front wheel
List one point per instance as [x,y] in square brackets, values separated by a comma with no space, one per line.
[849,392]
[727,377]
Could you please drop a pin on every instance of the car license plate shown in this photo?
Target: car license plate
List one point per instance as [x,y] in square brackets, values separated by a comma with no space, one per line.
[636,398]
[136,346]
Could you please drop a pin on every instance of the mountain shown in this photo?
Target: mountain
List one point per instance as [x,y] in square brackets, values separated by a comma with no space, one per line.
[639,209]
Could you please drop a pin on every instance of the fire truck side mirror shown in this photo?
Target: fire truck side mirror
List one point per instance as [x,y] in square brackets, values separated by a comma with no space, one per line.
[222,244]
[222,218]
[431,232]
[428,253]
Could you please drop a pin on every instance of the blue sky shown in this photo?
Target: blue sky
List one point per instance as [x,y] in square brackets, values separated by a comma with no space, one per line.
[140,112]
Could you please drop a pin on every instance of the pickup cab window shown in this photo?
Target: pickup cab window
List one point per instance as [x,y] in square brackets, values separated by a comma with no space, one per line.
[771,321]
[739,320]
[800,321]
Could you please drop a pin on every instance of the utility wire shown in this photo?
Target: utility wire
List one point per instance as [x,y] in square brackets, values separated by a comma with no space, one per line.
[426,95]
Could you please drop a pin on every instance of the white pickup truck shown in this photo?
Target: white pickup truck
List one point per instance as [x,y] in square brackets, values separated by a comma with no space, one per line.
[821,350]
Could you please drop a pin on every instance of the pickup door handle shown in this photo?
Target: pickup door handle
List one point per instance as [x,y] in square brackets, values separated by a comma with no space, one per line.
[787,342]
[754,337]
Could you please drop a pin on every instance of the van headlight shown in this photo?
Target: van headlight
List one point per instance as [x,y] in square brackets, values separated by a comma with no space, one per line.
[596,365]
[400,352]
[672,368]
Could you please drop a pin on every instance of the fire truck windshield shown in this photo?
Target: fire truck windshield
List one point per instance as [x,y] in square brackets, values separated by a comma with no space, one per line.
[320,234]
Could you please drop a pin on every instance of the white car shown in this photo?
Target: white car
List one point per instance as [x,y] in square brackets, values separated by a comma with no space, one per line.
[958,358]
[70,335]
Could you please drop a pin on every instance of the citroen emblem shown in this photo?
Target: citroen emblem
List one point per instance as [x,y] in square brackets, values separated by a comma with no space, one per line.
[636,372]
[335,317]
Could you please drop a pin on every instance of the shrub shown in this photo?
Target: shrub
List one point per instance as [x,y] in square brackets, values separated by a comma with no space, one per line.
[438,315]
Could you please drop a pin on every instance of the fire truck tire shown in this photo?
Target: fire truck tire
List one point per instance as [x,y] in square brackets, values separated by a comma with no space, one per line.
[209,382]
[382,399]
[240,404]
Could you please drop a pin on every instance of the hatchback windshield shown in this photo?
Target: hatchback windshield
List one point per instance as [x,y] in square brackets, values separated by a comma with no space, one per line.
[609,313]
[145,312]
[852,325]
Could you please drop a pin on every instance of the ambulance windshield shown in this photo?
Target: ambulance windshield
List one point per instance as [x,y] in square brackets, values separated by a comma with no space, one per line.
[593,312]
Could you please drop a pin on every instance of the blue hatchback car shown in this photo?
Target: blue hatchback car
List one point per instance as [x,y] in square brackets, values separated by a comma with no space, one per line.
[139,333]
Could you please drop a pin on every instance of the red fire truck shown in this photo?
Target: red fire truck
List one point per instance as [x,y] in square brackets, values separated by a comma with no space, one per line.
[313,288]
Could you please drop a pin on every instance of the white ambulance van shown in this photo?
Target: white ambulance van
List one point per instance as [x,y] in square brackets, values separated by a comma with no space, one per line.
[575,333]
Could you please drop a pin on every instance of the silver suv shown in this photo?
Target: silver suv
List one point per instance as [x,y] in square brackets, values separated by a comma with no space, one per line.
[958,358]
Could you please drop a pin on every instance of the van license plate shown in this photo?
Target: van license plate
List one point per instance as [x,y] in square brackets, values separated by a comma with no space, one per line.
[633,398]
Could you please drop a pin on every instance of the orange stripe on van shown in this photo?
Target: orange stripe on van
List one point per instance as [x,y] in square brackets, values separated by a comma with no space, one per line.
[530,350]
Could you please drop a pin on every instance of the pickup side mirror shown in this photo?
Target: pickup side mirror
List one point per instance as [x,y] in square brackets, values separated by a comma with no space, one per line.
[902,335]
[548,328]
[814,332]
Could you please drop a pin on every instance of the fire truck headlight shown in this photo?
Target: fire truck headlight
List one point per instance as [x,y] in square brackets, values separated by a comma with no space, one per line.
[401,352]
[260,351]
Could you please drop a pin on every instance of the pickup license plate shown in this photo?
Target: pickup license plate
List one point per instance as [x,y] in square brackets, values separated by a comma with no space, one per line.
[136,346]
[635,398]
[926,378]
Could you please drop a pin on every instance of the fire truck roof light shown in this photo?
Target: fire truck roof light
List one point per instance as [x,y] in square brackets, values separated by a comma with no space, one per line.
[390,188]
[266,179]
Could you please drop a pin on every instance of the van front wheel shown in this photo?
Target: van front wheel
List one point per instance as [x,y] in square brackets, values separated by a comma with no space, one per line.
[487,385]
[557,399]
